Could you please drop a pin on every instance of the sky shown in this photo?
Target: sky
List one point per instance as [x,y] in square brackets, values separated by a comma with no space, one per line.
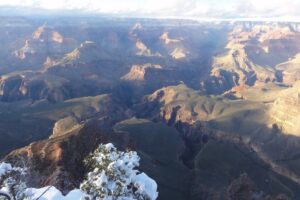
[283,9]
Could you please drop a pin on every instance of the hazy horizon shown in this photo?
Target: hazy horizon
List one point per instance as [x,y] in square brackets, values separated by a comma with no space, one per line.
[276,10]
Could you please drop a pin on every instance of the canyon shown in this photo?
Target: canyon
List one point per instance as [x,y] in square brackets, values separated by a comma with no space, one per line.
[212,108]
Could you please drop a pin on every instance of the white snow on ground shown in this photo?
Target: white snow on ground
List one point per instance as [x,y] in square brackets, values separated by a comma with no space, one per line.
[4,167]
[146,185]
[53,194]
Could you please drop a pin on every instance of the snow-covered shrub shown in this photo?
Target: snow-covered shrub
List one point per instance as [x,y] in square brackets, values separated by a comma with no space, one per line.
[12,181]
[115,177]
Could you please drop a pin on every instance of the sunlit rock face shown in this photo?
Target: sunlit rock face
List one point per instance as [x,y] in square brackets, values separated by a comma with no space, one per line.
[45,33]
[255,54]
[289,71]
[178,54]
[87,52]
[176,46]
[167,40]
[138,72]
[143,50]
[285,111]
[44,43]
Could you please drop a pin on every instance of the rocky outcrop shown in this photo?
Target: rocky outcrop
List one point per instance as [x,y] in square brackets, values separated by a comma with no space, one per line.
[285,111]
[267,44]
[179,53]
[43,38]
[167,40]
[143,50]
[28,86]
[176,47]
[234,67]
[289,71]
[180,103]
[58,160]
[147,78]
[88,52]
[46,33]
[138,72]
[11,88]
[45,42]
[254,55]
[243,70]
[64,126]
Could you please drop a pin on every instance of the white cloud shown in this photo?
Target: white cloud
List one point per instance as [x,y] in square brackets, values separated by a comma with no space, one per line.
[179,8]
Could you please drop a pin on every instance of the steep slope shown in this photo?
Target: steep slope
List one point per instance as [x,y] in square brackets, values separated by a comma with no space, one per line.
[285,111]
[58,160]
[88,52]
